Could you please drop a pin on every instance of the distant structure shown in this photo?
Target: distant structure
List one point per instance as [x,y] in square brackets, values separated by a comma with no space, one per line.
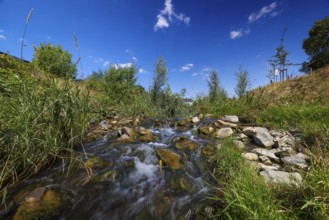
[188,101]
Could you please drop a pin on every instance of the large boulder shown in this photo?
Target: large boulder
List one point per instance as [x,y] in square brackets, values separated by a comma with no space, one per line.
[260,135]
[273,176]
[224,133]
[169,158]
[41,203]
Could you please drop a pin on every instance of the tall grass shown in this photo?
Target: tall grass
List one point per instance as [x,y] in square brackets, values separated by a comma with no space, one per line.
[246,196]
[311,119]
[40,120]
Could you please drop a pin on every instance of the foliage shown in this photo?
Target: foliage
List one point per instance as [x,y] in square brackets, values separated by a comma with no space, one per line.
[159,80]
[317,44]
[119,84]
[243,82]
[40,120]
[54,60]
[216,92]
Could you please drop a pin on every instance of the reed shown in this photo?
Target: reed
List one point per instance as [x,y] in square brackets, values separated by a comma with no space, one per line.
[25,28]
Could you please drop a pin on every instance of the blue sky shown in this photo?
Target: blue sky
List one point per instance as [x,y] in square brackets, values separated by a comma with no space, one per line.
[193,36]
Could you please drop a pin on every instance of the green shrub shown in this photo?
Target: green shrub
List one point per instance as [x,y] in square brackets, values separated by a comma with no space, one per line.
[54,60]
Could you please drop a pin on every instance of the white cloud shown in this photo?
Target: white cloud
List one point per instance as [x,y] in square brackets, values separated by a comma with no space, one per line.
[195,74]
[122,65]
[262,12]
[186,67]
[106,63]
[141,70]
[161,23]
[235,34]
[135,59]
[2,37]
[168,15]
[239,33]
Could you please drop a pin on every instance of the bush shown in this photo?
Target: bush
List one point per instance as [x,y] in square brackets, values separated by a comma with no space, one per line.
[54,60]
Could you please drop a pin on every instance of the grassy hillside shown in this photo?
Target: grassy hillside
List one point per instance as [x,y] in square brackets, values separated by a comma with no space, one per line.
[307,88]
[299,105]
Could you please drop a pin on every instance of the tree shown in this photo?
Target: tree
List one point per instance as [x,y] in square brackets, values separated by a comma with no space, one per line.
[119,82]
[216,92]
[159,80]
[280,62]
[317,44]
[243,82]
[54,60]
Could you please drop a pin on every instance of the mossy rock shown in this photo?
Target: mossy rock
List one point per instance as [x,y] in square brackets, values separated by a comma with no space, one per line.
[184,123]
[186,144]
[208,151]
[107,175]
[96,162]
[206,130]
[169,158]
[51,205]
[146,135]
[182,183]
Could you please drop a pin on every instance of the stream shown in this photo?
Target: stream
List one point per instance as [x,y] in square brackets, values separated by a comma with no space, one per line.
[131,182]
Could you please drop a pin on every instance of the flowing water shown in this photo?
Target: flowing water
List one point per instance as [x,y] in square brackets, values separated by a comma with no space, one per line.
[133,185]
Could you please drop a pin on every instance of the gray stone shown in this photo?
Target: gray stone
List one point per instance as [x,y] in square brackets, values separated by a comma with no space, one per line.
[242,136]
[104,124]
[267,153]
[250,156]
[277,134]
[231,118]
[249,131]
[232,125]
[262,137]
[224,132]
[267,167]
[272,176]
[299,160]
[265,160]
[239,144]
[279,141]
